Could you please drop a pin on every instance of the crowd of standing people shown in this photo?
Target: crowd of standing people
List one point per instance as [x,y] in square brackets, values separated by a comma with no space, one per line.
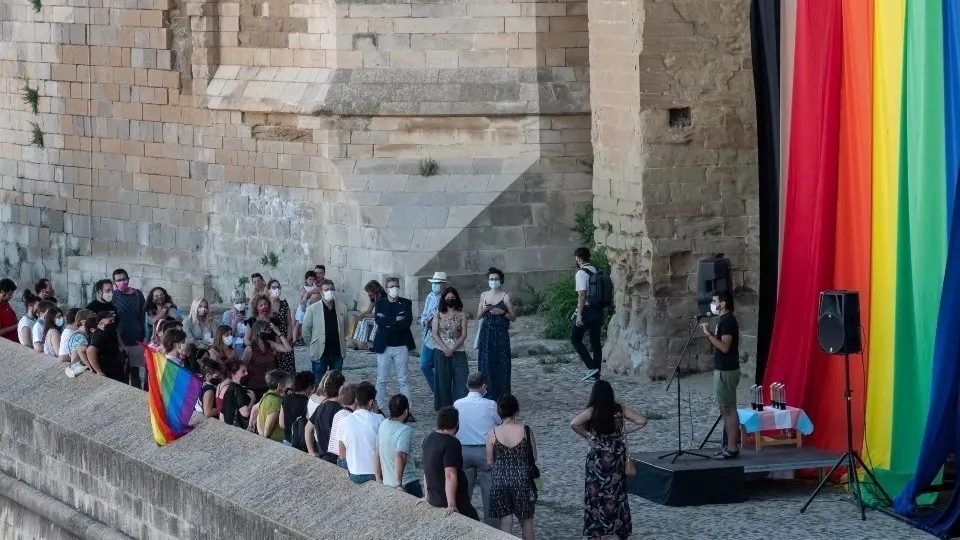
[246,360]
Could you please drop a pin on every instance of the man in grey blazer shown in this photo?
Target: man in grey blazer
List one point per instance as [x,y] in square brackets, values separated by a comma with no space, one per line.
[324,328]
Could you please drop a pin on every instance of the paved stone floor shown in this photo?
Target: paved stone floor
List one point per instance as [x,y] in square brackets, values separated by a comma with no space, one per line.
[547,383]
[551,394]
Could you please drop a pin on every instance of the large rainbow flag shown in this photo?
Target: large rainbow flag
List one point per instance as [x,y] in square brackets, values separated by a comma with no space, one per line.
[172,396]
[860,195]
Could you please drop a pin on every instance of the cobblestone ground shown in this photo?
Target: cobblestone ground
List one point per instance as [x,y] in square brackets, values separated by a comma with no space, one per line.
[551,394]
[547,383]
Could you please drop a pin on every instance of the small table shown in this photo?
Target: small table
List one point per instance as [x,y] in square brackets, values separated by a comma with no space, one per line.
[770,419]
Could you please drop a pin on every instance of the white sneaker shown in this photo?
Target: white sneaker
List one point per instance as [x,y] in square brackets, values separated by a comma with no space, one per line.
[74,369]
[590,375]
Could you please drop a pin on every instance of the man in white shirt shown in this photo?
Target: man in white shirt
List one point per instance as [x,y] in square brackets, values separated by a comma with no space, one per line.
[358,436]
[478,415]
[587,318]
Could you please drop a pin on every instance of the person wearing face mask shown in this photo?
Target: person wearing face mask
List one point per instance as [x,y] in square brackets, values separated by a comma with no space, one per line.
[493,342]
[324,328]
[236,320]
[260,356]
[222,350]
[130,307]
[437,283]
[38,333]
[309,295]
[52,327]
[449,331]
[393,340]
[282,316]
[102,297]
[159,307]
[199,325]
[103,353]
[725,339]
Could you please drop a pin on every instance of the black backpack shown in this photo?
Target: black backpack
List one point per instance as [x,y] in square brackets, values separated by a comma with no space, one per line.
[297,437]
[599,289]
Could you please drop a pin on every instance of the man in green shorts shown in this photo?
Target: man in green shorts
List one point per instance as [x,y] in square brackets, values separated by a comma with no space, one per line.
[726,369]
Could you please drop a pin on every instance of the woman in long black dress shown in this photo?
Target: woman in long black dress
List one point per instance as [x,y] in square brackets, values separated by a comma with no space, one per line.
[606,508]
[493,348]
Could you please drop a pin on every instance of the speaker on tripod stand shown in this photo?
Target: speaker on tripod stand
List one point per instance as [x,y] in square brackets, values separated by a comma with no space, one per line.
[838,333]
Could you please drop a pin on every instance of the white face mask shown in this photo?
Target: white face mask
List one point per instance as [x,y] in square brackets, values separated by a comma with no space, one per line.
[329,295]
[108,296]
[228,340]
[494,283]
[714,308]
[239,307]
[58,321]
[309,288]
[201,311]
[393,292]
[274,293]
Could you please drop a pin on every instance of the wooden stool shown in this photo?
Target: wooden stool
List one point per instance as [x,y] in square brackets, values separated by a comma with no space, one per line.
[761,441]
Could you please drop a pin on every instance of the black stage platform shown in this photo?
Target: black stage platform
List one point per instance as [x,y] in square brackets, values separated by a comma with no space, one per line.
[694,481]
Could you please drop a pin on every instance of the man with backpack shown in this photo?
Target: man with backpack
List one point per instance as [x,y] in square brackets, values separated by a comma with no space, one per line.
[594,294]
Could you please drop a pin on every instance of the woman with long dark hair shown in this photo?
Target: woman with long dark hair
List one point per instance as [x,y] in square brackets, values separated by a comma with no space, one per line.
[607,510]
[449,328]
[375,291]
[53,324]
[495,313]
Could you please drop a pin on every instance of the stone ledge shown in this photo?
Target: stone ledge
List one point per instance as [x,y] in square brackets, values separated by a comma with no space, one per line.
[400,92]
[87,442]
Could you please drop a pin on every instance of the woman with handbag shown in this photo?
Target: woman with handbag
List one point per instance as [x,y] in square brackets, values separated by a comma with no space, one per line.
[607,510]
[512,457]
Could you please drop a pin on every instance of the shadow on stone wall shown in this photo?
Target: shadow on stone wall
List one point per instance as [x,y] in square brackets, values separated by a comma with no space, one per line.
[86,442]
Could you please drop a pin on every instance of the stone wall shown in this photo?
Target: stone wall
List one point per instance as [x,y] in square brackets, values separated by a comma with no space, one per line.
[675,168]
[185,139]
[86,442]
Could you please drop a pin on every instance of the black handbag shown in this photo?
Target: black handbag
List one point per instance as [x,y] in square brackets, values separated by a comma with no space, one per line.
[534,470]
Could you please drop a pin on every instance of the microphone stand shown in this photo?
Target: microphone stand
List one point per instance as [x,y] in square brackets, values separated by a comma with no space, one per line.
[676,376]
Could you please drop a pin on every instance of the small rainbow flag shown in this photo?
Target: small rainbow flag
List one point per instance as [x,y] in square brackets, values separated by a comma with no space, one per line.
[173,393]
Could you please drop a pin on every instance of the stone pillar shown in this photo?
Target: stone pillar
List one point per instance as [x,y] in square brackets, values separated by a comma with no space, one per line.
[674,168]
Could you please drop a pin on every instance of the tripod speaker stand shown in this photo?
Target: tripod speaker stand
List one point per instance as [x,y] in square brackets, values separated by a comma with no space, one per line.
[676,376]
[838,331]
[850,459]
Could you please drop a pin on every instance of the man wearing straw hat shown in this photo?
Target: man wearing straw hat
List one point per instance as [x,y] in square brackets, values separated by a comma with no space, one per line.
[437,283]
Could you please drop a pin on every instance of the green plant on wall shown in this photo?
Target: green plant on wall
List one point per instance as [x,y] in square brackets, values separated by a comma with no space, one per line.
[36,135]
[559,300]
[31,96]
[37,5]
[242,282]
[270,259]
[428,167]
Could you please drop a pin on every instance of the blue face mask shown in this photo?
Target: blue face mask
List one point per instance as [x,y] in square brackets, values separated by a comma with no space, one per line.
[435,287]
[494,283]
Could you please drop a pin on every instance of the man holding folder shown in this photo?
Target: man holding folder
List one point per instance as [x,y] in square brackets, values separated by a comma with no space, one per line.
[394,340]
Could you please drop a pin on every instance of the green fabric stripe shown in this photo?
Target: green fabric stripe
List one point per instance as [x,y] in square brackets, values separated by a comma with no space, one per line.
[922,225]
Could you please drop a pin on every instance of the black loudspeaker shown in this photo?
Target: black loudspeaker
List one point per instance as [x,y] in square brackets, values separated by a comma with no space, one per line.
[713,276]
[838,322]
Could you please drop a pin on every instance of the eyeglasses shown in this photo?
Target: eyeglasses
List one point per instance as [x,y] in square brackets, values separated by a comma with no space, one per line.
[450,299]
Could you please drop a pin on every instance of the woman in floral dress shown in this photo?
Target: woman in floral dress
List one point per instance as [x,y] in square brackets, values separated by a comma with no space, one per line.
[606,508]
[282,316]
[493,349]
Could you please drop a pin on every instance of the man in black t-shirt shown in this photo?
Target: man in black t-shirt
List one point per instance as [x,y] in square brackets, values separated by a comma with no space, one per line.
[726,369]
[443,474]
[102,297]
[104,349]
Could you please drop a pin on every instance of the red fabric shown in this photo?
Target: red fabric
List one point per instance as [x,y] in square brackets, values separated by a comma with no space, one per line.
[851,268]
[8,318]
[811,206]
